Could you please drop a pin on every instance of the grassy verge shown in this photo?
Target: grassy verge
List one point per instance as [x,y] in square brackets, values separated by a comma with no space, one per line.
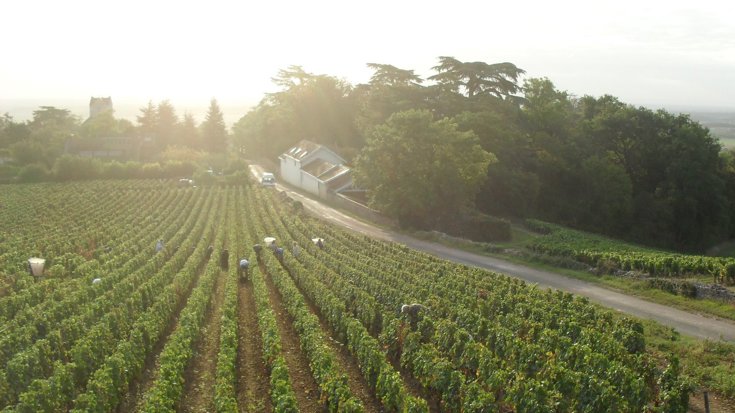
[709,365]
[639,288]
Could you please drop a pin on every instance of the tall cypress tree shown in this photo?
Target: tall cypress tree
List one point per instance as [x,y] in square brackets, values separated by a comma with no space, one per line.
[214,133]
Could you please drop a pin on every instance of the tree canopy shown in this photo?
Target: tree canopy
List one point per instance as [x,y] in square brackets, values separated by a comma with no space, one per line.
[421,171]
[214,132]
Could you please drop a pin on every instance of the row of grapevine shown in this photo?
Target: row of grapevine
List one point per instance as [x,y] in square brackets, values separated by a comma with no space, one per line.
[525,354]
[166,391]
[486,342]
[67,268]
[109,383]
[282,394]
[66,226]
[153,304]
[225,376]
[54,333]
[598,251]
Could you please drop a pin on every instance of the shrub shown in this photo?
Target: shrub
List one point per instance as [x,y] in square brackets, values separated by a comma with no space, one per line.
[151,171]
[481,228]
[177,169]
[34,172]
[71,168]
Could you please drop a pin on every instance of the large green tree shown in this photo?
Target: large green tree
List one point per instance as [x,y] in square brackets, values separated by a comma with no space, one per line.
[148,120]
[166,125]
[50,128]
[105,125]
[214,133]
[421,171]
[188,133]
[12,132]
[309,106]
[476,78]
[390,90]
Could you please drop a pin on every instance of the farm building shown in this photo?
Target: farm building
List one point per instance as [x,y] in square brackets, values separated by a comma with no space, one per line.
[315,169]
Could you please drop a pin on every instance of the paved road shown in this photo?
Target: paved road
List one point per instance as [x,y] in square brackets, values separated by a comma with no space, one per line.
[685,322]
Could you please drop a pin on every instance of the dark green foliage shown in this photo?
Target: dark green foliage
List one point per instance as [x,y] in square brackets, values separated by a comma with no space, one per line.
[314,107]
[33,173]
[422,172]
[479,227]
[678,287]
[214,133]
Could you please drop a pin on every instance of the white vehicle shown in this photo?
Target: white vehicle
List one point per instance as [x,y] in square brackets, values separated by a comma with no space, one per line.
[267,179]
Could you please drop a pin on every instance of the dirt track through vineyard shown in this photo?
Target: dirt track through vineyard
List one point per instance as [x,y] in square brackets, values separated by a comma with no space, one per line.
[305,387]
[346,362]
[133,400]
[252,375]
[415,388]
[202,370]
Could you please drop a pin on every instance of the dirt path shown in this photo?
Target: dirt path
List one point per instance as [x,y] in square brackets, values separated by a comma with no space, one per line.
[347,363]
[202,370]
[304,385]
[133,400]
[253,383]
[415,388]
[716,404]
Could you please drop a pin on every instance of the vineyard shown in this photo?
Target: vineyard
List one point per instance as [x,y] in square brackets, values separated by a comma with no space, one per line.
[599,251]
[316,330]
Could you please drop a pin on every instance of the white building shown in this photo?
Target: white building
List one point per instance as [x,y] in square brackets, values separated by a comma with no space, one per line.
[314,168]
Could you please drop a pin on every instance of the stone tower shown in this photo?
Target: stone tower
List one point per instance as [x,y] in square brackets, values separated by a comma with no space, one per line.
[99,105]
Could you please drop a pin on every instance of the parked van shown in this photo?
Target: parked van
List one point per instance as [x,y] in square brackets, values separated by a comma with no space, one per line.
[267,179]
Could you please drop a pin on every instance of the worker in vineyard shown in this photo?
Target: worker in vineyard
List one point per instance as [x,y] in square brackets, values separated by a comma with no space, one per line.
[257,248]
[243,269]
[413,313]
[210,250]
[224,258]
[295,249]
[279,254]
[159,246]
[320,243]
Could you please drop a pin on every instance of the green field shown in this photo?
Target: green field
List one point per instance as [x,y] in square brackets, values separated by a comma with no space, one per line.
[720,124]
[176,331]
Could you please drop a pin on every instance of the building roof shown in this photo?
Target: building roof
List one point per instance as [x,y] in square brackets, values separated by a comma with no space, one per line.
[317,167]
[306,148]
[333,172]
[340,181]
[302,149]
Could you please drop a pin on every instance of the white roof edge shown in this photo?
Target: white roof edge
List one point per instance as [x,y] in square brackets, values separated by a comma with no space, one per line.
[347,170]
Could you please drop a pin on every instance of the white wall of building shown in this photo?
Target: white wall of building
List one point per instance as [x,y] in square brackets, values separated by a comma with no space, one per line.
[291,170]
[309,183]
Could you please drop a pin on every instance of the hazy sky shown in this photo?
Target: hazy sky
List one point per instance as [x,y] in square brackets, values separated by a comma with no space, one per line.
[672,53]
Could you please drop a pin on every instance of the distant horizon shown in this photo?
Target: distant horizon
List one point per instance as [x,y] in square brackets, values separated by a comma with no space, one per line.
[22,109]
[128,108]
